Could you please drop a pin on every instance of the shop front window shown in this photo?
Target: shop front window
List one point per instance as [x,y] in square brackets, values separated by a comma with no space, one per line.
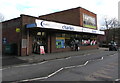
[64,40]
[67,40]
[60,40]
[89,40]
[39,39]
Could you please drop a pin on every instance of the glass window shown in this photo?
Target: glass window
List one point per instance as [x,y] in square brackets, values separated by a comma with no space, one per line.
[64,40]
[89,40]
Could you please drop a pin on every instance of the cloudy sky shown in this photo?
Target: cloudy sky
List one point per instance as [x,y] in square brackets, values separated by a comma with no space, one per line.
[13,8]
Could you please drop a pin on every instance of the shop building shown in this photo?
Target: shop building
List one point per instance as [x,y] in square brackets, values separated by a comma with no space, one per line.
[54,31]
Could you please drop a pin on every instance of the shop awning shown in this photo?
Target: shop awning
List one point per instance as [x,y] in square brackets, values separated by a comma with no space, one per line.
[31,25]
[61,26]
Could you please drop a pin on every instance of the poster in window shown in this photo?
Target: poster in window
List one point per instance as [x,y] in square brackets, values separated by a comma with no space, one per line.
[24,43]
[60,43]
[89,21]
[88,42]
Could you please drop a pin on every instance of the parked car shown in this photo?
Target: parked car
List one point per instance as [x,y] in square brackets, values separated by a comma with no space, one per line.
[113,46]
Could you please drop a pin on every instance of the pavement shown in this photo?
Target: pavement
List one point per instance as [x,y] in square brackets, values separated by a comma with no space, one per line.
[34,58]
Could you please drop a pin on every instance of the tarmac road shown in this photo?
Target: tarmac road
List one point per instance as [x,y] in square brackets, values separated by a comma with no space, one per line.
[104,69]
[47,69]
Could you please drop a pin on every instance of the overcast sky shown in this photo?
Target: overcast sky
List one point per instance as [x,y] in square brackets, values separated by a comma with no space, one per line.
[13,8]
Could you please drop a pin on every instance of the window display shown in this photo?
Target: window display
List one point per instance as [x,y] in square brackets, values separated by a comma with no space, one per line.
[60,42]
[64,40]
[67,40]
[88,42]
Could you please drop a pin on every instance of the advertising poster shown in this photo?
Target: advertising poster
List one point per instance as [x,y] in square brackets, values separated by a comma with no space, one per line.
[88,42]
[42,51]
[89,21]
[24,43]
[60,43]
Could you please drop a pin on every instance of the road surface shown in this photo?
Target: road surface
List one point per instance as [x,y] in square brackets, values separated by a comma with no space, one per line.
[104,69]
[94,66]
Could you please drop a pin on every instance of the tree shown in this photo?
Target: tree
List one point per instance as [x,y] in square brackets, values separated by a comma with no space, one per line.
[111,23]
[111,29]
[1,17]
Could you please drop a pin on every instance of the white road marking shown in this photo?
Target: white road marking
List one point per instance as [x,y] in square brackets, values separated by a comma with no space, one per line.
[113,54]
[38,63]
[102,58]
[55,72]
[42,77]
[32,64]
[42,62]
[60,59]
[117,79]
[58,71]
[69,67]
[77,65]
[68,58]
[20,66]
[34,79]
[24,65]
[86,54]
[52,73]
[5,68]
[86,63]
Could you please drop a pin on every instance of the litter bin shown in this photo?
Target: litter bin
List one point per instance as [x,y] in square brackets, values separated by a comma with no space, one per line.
[10,48]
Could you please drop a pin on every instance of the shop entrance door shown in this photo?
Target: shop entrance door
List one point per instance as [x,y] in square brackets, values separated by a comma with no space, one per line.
[39,39]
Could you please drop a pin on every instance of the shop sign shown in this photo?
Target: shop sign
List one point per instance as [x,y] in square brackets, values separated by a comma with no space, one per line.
[44,23]
[17,29]
[68,28]
[60,26]
[48,24]
[95,31]
[87,30]
[101,32]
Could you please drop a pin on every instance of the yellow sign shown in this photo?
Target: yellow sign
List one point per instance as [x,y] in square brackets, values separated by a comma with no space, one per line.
[17,29]
[60,38]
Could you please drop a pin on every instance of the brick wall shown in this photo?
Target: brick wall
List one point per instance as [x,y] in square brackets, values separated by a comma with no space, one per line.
[27,20]
[70,16]
[9,32]
[88,47]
